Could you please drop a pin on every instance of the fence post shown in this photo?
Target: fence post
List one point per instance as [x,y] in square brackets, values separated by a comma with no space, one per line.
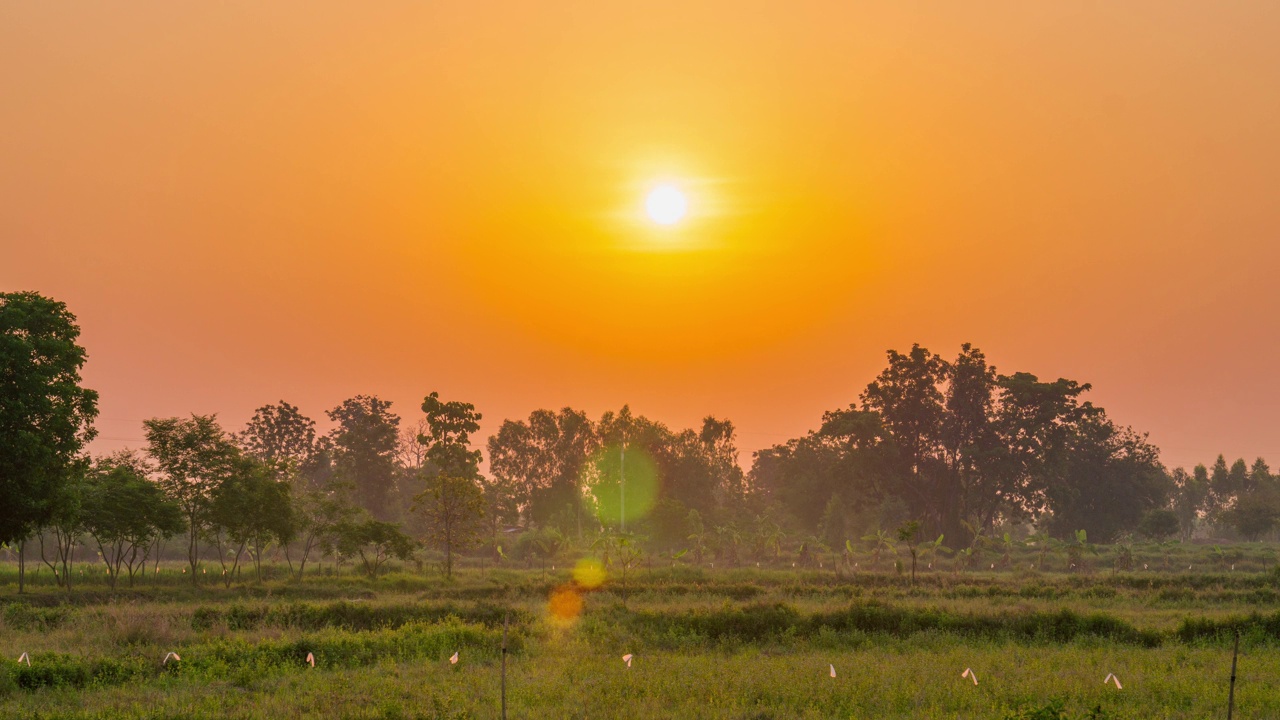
[1231,695]
[506,620]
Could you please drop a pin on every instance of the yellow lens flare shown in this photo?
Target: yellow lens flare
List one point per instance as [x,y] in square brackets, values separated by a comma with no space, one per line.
[589,574]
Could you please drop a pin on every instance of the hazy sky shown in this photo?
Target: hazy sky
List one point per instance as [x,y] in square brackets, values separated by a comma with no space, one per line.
[247,202]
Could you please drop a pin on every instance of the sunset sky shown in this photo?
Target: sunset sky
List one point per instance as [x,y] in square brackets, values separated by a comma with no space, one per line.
[248,202]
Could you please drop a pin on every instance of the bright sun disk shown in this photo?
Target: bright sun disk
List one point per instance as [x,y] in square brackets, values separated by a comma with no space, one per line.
[666,205]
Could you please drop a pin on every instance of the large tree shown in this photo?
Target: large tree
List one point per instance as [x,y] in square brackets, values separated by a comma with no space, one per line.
[46,417]
[280,433]
[364,451]
[452,504]
[541,459]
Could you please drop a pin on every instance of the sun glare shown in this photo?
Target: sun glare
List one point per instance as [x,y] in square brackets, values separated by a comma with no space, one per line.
[666,205]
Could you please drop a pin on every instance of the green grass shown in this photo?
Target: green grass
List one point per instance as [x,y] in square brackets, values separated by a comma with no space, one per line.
[728,643]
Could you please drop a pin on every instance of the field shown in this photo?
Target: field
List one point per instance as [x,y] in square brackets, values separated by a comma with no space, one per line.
[706,642]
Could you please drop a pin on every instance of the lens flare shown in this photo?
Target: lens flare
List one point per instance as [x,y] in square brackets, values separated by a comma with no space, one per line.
[623,482]
[565,604]
[589,574]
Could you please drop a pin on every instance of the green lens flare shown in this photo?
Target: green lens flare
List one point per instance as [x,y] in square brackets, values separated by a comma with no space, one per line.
[623,484]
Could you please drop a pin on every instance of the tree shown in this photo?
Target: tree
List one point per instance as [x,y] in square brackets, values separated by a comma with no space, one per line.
[46,417]
[249,509]
[1257,511]
[1111,477]
[316,516]
[907,396]
[271,519]
[280,433]
[909,535]
[374,542]
[364,450]
[66,525]
[125,513]
[542,460]
[501,508]
[1159,524]
[453,510]
[194,456]
[452,505]
[1191,496]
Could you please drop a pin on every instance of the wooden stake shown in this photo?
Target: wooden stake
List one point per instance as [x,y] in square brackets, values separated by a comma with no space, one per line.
[1231,695]
[506,619]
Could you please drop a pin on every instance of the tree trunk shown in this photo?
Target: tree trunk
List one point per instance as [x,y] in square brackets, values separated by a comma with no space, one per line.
[22,566]
[193,550]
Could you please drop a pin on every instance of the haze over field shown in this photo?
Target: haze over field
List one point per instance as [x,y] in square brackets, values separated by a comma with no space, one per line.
[312,200]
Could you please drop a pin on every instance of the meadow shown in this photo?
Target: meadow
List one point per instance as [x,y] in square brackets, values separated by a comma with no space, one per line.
[747,642]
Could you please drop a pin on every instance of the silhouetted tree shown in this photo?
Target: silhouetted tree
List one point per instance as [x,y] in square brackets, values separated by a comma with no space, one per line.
[364,450]
[452,504]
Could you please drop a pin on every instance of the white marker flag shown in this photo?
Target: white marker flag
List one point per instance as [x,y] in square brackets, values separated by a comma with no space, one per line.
[25,657]
[173,655]
[454,660]
[833,671]
[969,673]
[627,659]
[1112,678]
[311,660]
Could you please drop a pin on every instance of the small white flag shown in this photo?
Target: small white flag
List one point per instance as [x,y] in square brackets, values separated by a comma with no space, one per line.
[173,655]
[833,671]
[627,659]
[25,658]
[1112,678]
[311,660]
[454,660]
[969,673]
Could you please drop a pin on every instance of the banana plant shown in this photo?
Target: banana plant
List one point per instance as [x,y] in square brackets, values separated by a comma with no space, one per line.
[1077,549]
[881,541]
[1007,545]
[1044,544]
[930,551]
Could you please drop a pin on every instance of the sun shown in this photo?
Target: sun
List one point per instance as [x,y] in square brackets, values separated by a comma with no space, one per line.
[666,205]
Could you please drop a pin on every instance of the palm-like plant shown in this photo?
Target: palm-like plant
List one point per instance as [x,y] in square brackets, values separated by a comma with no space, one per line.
[881,541]
[931,550]
[1044,544]
[1077,549]
[1007,546]
[699,540]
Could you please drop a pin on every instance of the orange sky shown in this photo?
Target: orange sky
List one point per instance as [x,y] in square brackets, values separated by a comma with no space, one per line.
[245,202]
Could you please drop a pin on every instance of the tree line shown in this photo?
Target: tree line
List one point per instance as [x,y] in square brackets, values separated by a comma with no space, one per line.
[943,448]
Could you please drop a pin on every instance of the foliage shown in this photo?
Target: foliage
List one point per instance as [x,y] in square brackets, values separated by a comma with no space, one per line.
[126,513]
[453,504]
[374,542]
[1159,524]
[364,445]
[46,417]
[194,456]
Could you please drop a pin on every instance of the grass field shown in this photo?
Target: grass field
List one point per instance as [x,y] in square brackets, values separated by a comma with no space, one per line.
[707,643]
